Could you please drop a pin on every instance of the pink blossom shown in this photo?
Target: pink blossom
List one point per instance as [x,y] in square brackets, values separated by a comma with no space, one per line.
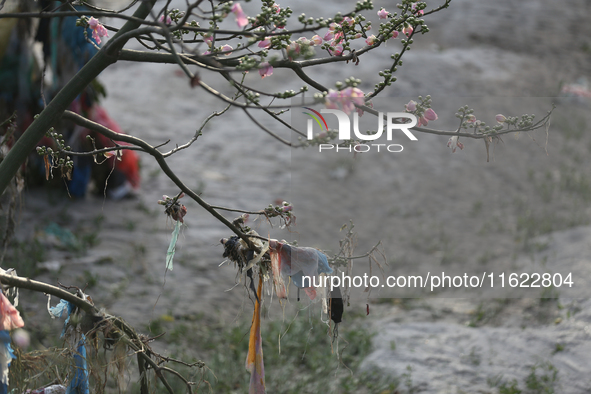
[328,36]
[98,30]
[294,47]
[422,121]
[333,26]
[338,38]
[407,30]
[500,118]
[303,41]
[206,53]
[227,48]
[470,118]
[350,98]
[394,34]
[371,40]
[10,317]
[331,99]
[348,21]
[293,50]
[266,43]
[93,22]
[316,40]
[414,9]
[383,14]
[338,50]
[411,106]
[208,40]
[454,143]
[241,18]
[266,70]
[357,96]
[430,115]
[358,35]
[168,19]
[276,8]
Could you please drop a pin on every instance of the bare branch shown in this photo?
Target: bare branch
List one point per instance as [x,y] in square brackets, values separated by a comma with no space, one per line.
[80,120]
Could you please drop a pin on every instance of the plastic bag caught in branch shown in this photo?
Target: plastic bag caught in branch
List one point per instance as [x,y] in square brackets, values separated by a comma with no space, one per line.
[302,264]
[237,250]
[63,308]
[6,356]
[79,382]
[11,318]
[254,359]
[176,211]
[53,389]
[172,245]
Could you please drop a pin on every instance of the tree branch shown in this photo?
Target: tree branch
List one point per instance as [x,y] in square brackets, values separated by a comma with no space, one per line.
[160,159]
[29,284]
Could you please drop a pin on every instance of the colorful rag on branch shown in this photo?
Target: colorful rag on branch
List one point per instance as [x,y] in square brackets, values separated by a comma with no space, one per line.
[79,373]
[301,264]
[254,359]
[306,267]
[63,309]
[10,320]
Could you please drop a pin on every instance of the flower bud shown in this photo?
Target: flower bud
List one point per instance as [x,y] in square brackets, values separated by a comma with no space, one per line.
[430,114]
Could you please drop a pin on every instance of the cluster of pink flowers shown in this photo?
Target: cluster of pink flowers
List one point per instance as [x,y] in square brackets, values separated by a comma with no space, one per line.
[225,48]
[407,29]
[415,11]
[98,30]
[346,99]
[428,116]
[371,40]
[334,38]
[168,20]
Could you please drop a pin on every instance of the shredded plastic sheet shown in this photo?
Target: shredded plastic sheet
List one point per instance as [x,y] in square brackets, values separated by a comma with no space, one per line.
[11,291]
[296,262]
[257,257]
[79,382]
[172,246]
[238,251]
[6,356]
[10,318]
[254,359]
[53,389]
[64,307]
